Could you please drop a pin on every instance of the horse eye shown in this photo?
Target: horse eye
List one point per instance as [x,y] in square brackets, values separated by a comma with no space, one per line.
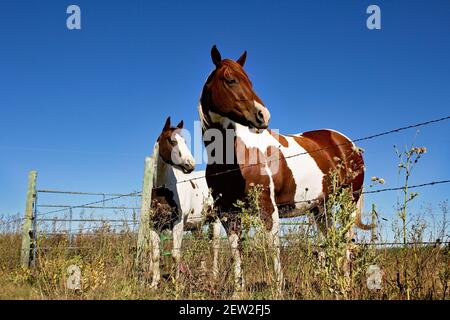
[230,81]
[172,142]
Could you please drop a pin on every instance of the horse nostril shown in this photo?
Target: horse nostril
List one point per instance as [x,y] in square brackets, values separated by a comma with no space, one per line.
[260,116]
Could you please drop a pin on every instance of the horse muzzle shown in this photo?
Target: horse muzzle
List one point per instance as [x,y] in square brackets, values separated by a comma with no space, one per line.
[261,116]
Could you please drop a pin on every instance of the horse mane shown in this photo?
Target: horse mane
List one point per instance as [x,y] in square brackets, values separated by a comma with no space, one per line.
[203,119]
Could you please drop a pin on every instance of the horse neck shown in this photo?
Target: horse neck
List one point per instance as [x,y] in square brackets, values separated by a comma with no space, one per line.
[166,175]
[239,130]
[244,133]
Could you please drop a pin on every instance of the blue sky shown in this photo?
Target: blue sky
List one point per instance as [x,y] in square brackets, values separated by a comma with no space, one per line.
[84,107]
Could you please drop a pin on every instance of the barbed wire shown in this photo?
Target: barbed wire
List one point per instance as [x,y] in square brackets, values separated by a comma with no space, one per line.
[87,193]
[370,137]
[11,221]
[373,136]
[286,246]
[101,227]
[135,193]
[363,192]
[432,183]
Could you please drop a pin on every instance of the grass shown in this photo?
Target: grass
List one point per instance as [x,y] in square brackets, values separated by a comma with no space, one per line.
[314,266]
[106,260]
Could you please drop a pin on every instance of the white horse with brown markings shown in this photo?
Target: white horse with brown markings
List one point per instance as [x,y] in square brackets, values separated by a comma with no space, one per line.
[294,170]
[181,199]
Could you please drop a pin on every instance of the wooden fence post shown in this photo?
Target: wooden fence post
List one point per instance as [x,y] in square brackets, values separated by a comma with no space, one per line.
[143,242]
[27,230]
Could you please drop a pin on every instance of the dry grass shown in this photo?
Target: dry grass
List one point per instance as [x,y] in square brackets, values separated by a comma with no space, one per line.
[106,262]
[313,265]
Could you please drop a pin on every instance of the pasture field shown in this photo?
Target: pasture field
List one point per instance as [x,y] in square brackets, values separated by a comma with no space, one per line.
[413,262]
[106,259]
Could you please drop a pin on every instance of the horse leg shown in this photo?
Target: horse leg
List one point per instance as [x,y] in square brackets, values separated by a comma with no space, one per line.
[216,246]
[177,234]
[155,256]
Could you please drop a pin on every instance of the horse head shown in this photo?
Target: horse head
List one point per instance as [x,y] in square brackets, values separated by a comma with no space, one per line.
[228,94]
[173,149]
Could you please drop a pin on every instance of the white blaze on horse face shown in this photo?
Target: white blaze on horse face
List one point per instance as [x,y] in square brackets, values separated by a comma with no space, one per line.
[181,155]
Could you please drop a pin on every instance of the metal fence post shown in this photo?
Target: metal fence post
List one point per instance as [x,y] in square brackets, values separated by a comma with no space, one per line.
[27,231]
[144,219]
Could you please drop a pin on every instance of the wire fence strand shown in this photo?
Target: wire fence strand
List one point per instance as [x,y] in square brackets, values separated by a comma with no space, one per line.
[370,137]
[115,196]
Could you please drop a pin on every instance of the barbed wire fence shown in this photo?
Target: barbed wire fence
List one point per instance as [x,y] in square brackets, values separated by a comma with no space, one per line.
[56,219]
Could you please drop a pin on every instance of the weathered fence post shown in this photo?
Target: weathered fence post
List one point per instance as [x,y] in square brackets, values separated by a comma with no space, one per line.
[374,224]
[144,219]
[27,230]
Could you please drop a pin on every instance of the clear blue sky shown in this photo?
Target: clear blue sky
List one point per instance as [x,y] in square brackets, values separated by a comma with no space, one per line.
[85,107]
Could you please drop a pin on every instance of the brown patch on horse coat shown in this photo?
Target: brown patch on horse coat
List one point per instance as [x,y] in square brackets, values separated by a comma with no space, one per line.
[164,208]
[282,177]
[281,139]
[193,184]
[247,171]
[329,149]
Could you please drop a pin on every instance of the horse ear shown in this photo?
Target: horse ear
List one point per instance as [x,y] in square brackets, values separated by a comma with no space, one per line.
[167,125]
[180,125]
[215,56]
[242,59]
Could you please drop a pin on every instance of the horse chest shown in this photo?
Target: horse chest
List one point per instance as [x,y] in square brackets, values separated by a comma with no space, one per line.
[193,199]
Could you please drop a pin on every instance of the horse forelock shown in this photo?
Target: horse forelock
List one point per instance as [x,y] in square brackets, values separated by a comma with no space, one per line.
[235,67]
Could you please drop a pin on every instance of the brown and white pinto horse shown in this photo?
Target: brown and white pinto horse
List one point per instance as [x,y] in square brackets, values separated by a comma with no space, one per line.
[296,183]
[181,200]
